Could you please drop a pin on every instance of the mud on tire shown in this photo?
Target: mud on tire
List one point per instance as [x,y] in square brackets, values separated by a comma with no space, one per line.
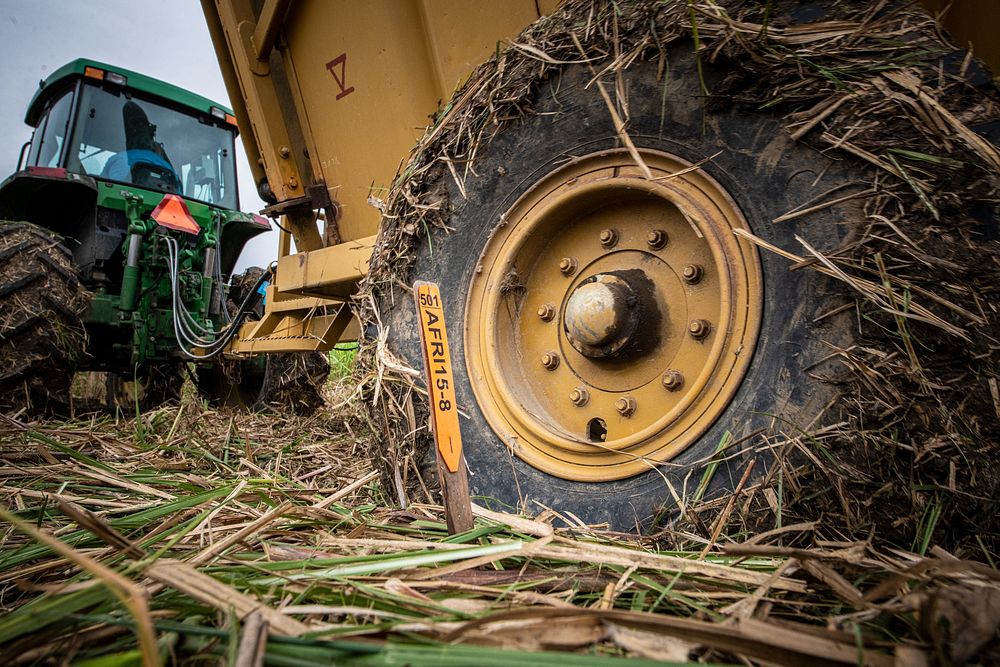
[41,332]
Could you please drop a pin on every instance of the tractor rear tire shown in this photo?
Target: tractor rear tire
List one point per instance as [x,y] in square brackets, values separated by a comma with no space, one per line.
[42,337]
[289,382]
[283,382]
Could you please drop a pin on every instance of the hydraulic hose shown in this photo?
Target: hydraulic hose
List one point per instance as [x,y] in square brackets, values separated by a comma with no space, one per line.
[190,334]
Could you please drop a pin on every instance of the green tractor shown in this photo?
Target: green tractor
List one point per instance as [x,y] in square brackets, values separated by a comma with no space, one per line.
[119,236]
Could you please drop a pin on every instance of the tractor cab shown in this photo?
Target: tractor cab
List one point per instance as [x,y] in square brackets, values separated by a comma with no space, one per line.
[115,125]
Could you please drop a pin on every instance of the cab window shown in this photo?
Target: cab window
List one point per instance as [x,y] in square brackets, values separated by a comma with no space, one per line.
[50,136]
[128,138]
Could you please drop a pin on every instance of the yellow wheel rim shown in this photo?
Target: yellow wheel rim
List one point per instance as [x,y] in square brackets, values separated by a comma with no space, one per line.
[612,317]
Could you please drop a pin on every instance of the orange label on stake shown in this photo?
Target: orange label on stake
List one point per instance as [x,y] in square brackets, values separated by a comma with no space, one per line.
[440,382]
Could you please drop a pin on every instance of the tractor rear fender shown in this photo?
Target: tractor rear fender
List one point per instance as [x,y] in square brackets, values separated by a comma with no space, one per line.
[52,198]
[65,203]
[236,232]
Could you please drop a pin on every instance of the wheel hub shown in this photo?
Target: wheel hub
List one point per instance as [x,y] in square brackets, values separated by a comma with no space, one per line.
[635,315]
[601,316]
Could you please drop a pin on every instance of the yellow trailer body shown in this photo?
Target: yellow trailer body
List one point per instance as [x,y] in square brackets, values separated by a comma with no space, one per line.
[336,93]
[331,97]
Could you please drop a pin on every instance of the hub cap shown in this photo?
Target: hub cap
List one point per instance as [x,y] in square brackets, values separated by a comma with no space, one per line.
[601,316]
[614,316]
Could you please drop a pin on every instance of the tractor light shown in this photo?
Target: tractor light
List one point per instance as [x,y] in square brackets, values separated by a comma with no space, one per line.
[48,172]
[116,78]
[260,220]
[93,73]
[223,116]
[173,213]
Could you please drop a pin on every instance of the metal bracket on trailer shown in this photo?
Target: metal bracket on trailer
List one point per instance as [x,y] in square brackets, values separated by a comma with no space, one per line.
[306,286]
[296,324]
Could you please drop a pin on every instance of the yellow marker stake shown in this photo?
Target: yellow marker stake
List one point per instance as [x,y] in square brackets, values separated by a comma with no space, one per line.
[440,382]
[444,407]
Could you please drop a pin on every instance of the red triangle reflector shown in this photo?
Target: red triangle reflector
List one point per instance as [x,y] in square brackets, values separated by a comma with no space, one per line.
[173,213]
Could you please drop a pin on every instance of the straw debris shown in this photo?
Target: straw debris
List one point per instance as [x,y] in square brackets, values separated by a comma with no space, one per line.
[253,538]
[870,538]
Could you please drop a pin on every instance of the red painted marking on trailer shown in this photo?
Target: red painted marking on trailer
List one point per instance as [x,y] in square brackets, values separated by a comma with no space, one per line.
[341,78]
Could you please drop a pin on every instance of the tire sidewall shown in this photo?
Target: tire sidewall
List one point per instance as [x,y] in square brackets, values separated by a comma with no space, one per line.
[763,171]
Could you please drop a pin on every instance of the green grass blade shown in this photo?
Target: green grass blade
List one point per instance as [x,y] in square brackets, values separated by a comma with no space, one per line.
[397,563]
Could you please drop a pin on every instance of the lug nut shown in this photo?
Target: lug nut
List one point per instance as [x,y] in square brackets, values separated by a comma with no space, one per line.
[546,312]
[625,406]
[579,397]
[567,265]
[609,238]
[656,239]
[550,360]
[699,328]
[673,380]
[692,273]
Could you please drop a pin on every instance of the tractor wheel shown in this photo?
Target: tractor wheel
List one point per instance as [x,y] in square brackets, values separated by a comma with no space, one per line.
[285,382]
[612,329]
[41,331]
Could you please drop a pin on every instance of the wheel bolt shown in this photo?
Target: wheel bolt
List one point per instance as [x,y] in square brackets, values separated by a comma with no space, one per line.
[579,397]
[693,273]
[673,380]
[546,312]
[550,360]
[699,328]
[625,406]
[609,238]
[567,265]
[656,239]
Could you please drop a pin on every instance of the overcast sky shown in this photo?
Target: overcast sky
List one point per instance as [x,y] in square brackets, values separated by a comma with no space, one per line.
[167,40]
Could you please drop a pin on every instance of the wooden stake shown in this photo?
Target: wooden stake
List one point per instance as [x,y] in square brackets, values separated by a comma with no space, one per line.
[444,407]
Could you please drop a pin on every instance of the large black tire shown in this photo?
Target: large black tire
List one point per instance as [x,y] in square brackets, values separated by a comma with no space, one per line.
[905,257]
[767,175]
[283,382]
[41,333]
